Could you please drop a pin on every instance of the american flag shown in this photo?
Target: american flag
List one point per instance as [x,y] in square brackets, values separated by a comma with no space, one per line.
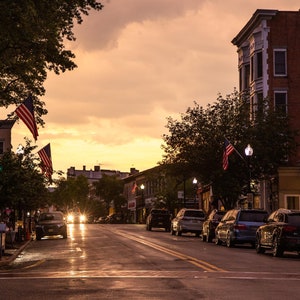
[26,113]
[134,188]
[46,165]
[228,149]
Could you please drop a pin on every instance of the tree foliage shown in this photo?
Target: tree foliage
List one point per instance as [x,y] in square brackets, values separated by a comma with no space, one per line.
[32,36]
[110,189]
[195,144]
[71,193]
[22,185]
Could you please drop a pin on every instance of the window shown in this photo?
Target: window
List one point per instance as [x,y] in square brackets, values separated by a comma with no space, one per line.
[292,202]
[256,66]
[256,105]
[252,68]
[259,66]
[280,62]
[280,102]
[244,77]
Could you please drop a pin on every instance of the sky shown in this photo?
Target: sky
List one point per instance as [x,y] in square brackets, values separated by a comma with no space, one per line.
[139,62]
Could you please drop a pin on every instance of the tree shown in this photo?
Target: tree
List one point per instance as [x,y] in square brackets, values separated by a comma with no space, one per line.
[71,193]
[32,35]
[22,185]
[196,143]
[110,189]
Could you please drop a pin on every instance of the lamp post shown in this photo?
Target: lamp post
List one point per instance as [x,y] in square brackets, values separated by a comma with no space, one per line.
[249,153]
[142,187]
[195,182]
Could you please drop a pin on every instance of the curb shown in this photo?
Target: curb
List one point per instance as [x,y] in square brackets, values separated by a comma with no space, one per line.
[14,255]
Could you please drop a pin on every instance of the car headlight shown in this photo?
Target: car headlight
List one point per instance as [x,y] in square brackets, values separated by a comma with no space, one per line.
[70,218]
[82,218]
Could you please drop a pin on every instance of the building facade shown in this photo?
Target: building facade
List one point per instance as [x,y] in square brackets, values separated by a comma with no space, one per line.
[5,135]
[268,48]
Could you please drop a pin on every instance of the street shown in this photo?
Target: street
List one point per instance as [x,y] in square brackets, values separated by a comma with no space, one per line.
[124,261]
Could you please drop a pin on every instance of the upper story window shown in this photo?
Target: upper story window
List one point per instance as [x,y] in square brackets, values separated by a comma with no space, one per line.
[280,102]
[256,105]
[244,77]
[280,68]
[256,65]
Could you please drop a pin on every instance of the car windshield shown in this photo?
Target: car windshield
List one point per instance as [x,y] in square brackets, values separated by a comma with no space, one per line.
[194,214]
[293,219]
[253,216]
[51,216]
[218,216]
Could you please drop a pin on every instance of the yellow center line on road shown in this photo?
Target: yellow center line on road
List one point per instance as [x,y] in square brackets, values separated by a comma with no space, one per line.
[197,262]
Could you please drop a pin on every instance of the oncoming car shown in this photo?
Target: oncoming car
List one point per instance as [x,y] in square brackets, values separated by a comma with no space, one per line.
[50,224]
[75,216]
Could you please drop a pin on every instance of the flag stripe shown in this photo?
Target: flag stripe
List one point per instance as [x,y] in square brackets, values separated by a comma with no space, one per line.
[228,149]
[26,113]
[45,155]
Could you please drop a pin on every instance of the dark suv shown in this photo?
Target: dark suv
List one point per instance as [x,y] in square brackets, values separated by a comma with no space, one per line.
[239,226]
[281,233]
[51,223]
[159,218]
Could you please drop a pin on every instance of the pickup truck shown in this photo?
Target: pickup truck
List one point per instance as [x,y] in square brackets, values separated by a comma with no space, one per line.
[159,218]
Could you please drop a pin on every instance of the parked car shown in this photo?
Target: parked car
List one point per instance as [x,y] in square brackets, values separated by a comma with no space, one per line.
[159,218]
[49,224]
[210,224]
[238,226]
[280,233]
[114,218]
[188,220]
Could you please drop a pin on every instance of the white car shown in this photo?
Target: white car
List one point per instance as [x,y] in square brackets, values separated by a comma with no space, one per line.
[188,220]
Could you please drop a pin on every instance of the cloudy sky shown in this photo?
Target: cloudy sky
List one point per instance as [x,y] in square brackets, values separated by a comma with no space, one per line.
[140,61]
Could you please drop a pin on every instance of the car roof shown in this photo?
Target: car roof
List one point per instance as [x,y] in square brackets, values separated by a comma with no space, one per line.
[288,211]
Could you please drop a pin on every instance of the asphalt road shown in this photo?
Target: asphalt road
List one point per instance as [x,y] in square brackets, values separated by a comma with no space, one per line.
[127,262]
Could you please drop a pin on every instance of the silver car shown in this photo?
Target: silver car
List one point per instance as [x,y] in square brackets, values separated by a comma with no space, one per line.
[188,220]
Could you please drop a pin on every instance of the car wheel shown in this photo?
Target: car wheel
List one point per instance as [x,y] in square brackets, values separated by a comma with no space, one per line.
[65,235]
[197,234]
[172,231]
[229,242]
[277,249]
[217,241]
[258,246]
[178,232]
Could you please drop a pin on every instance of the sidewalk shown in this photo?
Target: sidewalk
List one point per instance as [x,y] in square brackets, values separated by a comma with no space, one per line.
[12,251]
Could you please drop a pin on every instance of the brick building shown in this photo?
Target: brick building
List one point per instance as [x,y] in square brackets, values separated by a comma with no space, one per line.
[269,67]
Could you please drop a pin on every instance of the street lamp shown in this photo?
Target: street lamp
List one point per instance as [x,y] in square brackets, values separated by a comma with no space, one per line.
[249,153]
[142,187]
[195,182]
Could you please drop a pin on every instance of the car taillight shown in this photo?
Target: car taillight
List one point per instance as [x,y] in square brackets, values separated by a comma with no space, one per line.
[289,228]
[240,227]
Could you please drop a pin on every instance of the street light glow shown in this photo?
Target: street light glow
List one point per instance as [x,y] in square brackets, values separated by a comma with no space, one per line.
[249,150]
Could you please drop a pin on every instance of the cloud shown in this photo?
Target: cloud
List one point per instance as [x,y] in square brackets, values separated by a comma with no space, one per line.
[140,61]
